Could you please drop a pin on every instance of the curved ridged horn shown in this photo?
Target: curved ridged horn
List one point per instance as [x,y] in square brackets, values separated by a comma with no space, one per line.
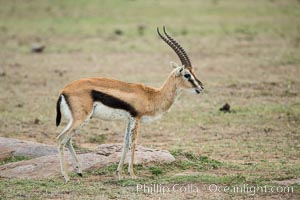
[179,47]
[175,48]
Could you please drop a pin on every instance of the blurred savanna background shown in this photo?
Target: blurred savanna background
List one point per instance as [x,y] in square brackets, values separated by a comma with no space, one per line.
[247,54]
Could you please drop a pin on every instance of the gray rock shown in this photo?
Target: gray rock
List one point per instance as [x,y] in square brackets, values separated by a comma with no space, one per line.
[5,152]
[105,155]
[27,148]
[45,166]
[142,154]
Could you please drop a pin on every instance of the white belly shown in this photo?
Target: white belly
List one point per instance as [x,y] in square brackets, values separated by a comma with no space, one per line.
[104,112]
[148,119]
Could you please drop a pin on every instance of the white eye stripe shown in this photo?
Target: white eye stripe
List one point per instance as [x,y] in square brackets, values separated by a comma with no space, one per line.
[194,80]
[191,78]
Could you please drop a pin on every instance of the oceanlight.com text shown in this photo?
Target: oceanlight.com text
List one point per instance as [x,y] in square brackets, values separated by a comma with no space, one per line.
[211,188]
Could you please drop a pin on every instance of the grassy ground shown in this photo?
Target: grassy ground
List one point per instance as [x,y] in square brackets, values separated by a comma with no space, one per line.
[245,52]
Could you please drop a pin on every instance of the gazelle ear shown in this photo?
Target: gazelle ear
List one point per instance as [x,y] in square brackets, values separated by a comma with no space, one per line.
[174,65]
[178,67]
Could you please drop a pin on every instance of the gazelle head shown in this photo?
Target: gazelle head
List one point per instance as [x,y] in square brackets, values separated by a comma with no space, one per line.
[184,72]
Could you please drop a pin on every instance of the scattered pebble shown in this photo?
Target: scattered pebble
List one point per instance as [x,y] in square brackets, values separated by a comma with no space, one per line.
[225,108]
[37,48]
[118,32]
[19,105]
[60,72]
[37,121]
[141,29]
[2,73]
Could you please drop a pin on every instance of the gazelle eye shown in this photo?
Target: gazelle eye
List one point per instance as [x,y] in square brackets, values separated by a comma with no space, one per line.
[187,76]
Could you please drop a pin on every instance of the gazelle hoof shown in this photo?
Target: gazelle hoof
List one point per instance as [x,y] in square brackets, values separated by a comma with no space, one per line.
[67,178]
[120,176]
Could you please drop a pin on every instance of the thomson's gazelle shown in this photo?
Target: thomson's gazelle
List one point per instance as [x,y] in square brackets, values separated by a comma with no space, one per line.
[111,99]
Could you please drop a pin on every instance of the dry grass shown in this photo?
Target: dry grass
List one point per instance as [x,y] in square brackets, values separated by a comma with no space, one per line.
[246,53]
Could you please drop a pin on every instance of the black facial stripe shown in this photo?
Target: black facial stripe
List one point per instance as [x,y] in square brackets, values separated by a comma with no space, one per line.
[113,102]
[199,82]
[192,82]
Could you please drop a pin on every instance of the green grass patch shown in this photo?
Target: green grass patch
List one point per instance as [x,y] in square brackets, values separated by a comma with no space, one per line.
[156,170]
[15,188]
[99,139]
[91,19]
[203,178]
[104,171]
[193,161]
[79,148]
[14,159]
[258,114]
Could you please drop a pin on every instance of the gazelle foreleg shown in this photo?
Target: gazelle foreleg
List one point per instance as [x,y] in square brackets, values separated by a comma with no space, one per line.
[132,147]
[127,139]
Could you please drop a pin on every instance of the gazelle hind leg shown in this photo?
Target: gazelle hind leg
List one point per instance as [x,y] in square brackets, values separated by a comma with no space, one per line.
[125,147]
[74,156]
[70,145]
[76,120]
[61,140]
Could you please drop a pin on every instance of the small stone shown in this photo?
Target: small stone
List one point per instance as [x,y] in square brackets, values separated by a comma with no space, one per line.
[37,121]
[118,32]
[141,29]
[2,74]
[225,108]
[19,105]
[37,48]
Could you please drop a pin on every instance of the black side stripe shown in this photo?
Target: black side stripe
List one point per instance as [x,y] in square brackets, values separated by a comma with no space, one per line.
[113,102]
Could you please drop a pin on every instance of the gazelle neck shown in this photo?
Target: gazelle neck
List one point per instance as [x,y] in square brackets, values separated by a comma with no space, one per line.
[167,93]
